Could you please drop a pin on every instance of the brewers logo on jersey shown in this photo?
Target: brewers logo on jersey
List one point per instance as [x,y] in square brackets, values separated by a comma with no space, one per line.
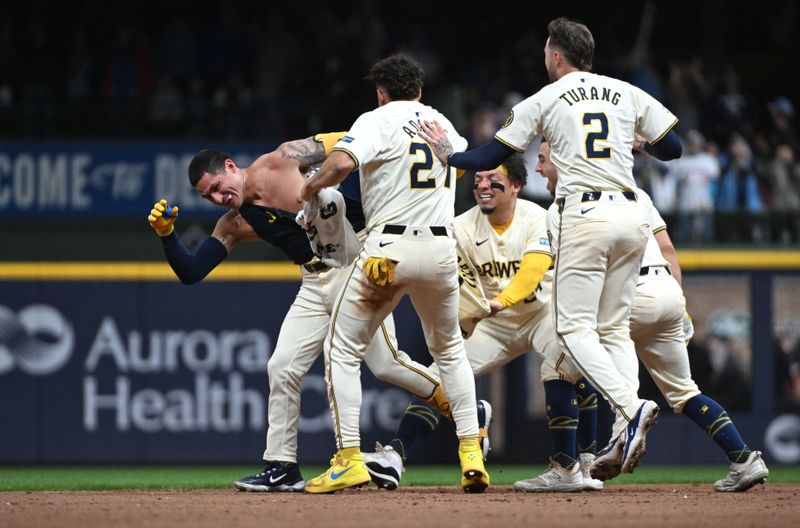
[489,253]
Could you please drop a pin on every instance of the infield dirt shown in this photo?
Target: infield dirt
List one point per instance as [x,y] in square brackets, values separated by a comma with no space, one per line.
[619,506]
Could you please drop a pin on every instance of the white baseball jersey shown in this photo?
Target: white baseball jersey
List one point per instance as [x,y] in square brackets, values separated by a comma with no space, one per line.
[398,169]
[589,120]
[652,253]
[497,258]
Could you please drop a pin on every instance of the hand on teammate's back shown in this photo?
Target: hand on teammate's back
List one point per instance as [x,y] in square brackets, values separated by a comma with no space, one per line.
[162,218]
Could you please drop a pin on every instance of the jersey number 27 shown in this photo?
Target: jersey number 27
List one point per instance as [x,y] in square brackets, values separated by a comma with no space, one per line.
[426,164]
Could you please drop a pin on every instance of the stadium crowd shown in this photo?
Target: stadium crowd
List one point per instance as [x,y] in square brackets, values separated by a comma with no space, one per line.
[114,70]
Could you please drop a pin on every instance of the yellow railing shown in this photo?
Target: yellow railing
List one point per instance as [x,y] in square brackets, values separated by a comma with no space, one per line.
[253,271]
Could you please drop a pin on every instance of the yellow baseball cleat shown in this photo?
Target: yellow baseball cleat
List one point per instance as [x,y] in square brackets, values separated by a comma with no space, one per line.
[344,473]
[474,477]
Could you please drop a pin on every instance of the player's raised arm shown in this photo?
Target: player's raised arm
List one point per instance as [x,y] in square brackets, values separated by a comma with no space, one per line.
[311,150]
[193,267]
[335,169]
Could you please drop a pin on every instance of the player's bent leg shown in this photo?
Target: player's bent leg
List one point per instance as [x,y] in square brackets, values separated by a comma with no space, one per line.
[392,365]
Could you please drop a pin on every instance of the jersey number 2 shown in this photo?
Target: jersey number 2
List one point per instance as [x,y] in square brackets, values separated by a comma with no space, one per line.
[592,152]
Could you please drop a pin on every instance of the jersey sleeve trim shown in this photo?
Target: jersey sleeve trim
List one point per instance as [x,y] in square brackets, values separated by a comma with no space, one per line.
[352,156]
[509,145]
[659,229]
[659,138]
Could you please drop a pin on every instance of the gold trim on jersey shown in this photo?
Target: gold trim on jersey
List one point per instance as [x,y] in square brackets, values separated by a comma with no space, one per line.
[352,156]
[659,138]
[659,229]
[509,145]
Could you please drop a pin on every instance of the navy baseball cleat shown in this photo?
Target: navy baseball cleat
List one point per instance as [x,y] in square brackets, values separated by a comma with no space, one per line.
[277,476]
[484,420]
[635,447]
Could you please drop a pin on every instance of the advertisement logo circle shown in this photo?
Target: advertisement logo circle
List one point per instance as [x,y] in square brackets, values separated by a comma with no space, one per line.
[37,339]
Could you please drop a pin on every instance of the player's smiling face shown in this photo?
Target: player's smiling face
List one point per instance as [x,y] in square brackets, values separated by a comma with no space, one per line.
[545,167]
[225,188]
[493,191]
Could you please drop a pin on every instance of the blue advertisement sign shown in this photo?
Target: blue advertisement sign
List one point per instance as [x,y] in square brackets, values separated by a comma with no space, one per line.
[156,372]
[104,179]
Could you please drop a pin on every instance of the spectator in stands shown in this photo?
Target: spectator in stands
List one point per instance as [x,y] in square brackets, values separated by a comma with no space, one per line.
[738,192]
[781,112]
[695,175]
[783,176]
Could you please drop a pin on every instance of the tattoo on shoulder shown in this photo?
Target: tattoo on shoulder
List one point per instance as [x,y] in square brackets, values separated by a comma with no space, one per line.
[306,151]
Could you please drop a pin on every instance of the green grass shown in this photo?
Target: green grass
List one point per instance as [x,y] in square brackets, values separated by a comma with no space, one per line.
[59,478]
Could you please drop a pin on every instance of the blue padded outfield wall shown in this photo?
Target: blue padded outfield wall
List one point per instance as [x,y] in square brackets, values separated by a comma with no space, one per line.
[96,179]
[145,369]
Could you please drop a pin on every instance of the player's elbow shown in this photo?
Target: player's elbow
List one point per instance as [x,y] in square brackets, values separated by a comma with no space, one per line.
[669,148]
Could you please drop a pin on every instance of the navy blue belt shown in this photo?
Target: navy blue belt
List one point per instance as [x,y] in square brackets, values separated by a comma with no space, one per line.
[391,229]
[595,195]
[646,269]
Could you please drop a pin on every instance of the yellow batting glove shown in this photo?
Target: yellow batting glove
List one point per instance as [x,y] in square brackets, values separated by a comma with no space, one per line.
[380,270]
[162,217]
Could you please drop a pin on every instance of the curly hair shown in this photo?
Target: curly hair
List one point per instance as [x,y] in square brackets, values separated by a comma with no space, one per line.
[573,40]
[515,165]
[206,161]
[399,76]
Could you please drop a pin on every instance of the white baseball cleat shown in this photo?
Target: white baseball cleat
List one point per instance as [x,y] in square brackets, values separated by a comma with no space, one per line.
[608,462]
[635,447]
[385,466]
[556,479]
[744,475]
[586,460]
[484,421]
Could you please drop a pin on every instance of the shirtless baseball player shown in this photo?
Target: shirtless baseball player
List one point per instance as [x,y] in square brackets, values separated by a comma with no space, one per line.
[591,122]
[660,329]
[408,203]
[263,200]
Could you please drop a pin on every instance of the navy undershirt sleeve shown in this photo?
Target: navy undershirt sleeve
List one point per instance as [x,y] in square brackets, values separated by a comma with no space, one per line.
[486,157]
[668,148]
[191,268]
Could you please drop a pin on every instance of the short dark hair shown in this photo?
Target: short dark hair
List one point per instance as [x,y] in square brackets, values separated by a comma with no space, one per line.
[206,161]
[573,40]
[399,76]
[517,172]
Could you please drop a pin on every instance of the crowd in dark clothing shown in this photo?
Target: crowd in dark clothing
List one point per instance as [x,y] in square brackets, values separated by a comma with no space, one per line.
[236,71]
